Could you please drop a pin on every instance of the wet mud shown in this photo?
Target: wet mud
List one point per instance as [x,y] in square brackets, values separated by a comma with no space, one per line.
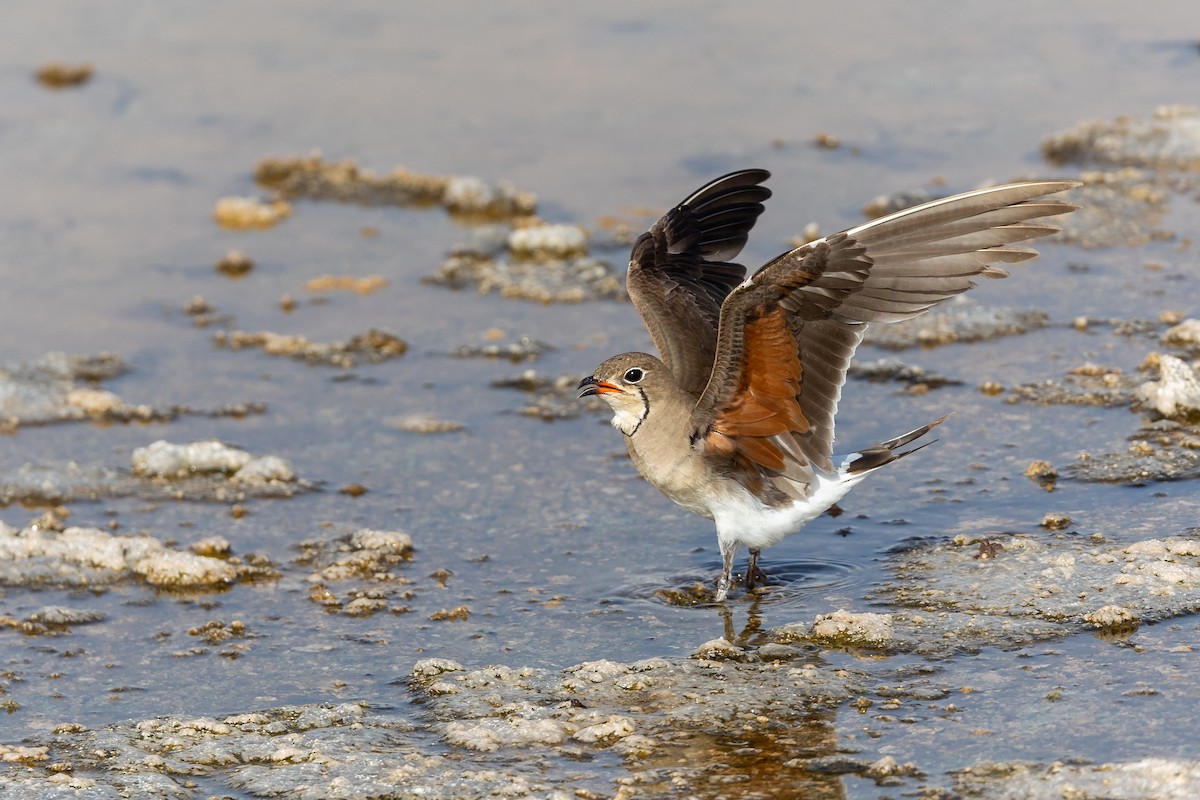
[225,573]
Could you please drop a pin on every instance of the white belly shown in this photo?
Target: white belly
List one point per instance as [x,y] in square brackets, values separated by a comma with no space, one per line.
[743,520]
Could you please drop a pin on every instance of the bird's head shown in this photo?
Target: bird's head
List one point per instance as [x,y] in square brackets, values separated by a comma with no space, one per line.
[627,383]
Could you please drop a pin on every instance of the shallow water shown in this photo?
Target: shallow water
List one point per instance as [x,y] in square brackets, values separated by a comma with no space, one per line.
[555,546]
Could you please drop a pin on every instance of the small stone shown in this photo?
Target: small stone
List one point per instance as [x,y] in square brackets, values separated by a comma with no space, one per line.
[423,423]
[196,306]
[718,650]
[249,212]
[846,627]
[888,204]
[548,241]
[213,547]
[1055,521]
[1141,448]
[235,264]
[57,75]
[615,727]
[989,550]
[827,141]
[457,614]
[810,233]
[264,470]
[346,283]
[18,754]
[364,606]
[1112,616]
[1044,473]
[94,402]
[431,667]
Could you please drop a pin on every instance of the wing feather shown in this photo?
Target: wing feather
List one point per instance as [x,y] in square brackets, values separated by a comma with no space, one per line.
[770,400]
[680,271]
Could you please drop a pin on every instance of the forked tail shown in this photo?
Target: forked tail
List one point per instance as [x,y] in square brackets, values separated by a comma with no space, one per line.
[889,451]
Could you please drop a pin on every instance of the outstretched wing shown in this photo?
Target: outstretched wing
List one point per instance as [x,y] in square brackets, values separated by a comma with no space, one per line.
[787,335]
[680,271]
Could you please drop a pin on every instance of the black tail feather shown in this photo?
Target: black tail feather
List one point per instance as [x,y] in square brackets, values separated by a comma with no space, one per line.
[887,452]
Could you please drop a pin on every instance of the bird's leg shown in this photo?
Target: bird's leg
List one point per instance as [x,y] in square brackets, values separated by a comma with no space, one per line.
[754,573]
[726,579]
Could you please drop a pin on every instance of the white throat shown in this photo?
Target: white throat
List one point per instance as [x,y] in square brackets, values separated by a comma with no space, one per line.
[628,416]
[627,420]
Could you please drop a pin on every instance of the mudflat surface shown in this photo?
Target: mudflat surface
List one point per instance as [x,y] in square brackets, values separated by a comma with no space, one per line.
[384,552]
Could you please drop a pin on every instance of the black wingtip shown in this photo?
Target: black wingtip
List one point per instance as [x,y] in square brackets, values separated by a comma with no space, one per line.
[730,182]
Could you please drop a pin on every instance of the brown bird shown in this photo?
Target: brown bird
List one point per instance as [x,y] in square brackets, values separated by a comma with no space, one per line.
[736,421]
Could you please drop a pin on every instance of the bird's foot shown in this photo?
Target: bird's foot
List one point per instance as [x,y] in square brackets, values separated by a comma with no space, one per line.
[754,573]
[756,577]
[726,579]
[722,589]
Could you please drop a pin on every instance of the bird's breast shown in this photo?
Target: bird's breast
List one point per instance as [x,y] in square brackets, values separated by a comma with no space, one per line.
[676,470]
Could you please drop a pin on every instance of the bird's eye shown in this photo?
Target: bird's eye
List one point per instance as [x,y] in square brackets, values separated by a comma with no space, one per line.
[633,375]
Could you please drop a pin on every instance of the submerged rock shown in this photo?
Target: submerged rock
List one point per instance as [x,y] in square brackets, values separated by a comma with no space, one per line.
[372,347]
[540,262]
[1089,384]
[361,567]
[165,460]
[264,471]
[890,369]
[1144,158]
[957,320]
[51,621]
[315,179]
[552,398]
[891,203]
[364,554]
[60,388]
[1185,334]
[1165,449]
[1168,139]
[1176,458]
[523,349]
[550,280]
[90,556]
[174,461]
[1119,208]
[1035,587]
[664,719]
[423,423]
[1177,391]
[206,471]
[1157,778]
[853,629]
[660,727]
